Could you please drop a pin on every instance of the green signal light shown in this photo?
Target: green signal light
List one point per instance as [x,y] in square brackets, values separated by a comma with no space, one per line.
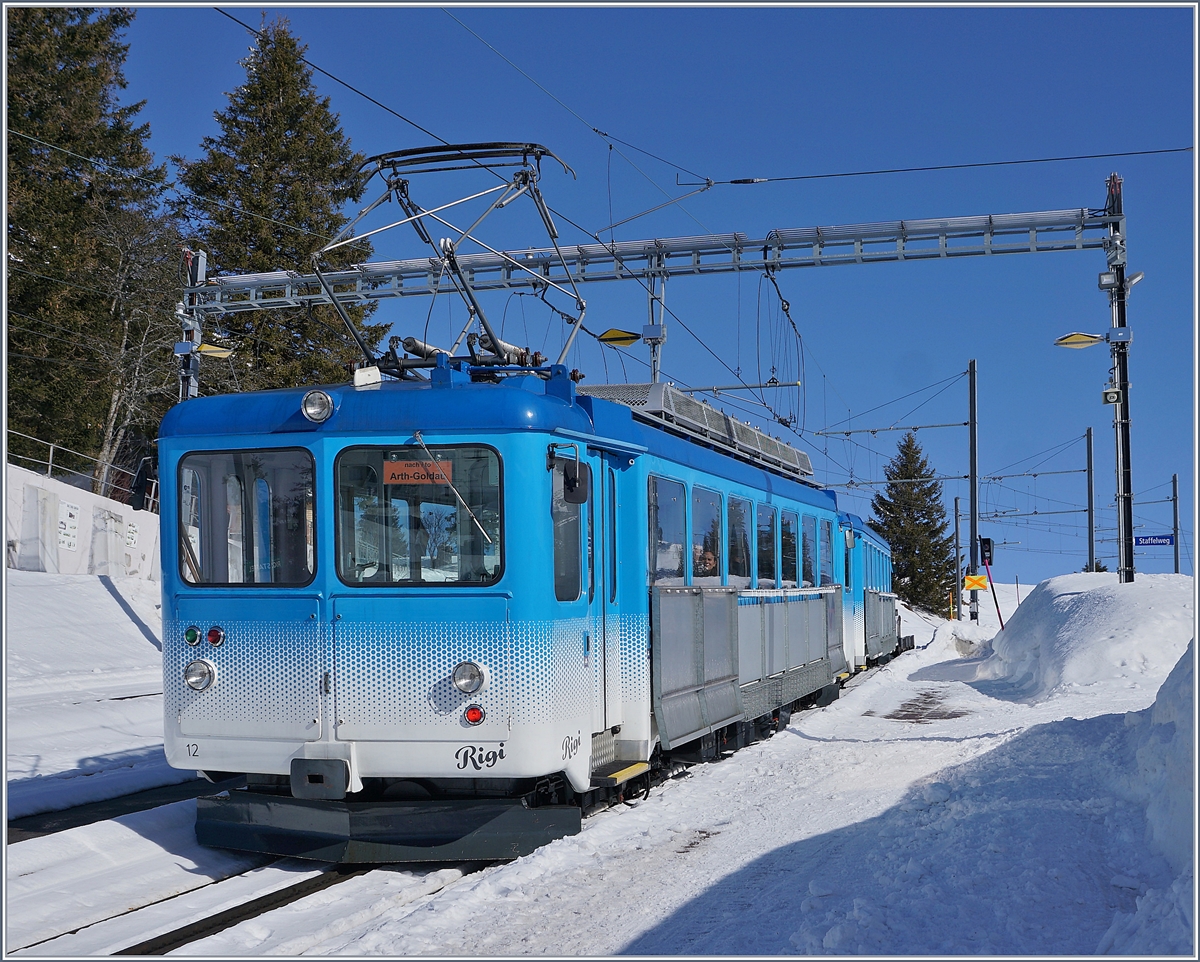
[192,635]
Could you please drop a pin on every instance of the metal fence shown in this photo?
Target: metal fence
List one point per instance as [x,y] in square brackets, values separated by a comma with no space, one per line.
[118,484]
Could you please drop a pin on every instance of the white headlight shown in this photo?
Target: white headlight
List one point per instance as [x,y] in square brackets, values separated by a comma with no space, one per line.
[317,406]
[200,675]
[468,678]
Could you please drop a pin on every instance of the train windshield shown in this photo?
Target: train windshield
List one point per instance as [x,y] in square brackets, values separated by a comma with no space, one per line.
[418,516]
[246,517]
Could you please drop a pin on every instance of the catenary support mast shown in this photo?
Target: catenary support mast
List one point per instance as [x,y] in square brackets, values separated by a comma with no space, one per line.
[974,482]
[1115,249]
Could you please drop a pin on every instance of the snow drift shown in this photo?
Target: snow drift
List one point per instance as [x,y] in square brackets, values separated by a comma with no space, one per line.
[1084,630]
[1159,773]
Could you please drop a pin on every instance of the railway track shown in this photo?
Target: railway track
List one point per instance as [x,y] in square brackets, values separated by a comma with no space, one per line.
[211,925]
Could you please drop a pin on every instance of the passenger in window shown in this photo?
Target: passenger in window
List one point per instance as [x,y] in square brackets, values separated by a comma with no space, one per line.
[705,564]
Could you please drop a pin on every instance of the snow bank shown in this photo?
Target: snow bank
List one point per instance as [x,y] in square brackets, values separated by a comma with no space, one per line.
[1160,775]
[1084,629]
[83,706]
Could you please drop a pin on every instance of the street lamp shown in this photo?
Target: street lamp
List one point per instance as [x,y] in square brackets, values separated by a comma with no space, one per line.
[1116,392]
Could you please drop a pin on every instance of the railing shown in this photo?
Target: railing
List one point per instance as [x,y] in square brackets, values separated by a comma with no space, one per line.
[120,489]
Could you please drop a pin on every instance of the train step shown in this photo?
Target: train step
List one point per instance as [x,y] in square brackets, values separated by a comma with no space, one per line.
[618,773]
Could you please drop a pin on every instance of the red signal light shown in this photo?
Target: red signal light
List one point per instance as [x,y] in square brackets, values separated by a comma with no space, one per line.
[216,636]
[473,715]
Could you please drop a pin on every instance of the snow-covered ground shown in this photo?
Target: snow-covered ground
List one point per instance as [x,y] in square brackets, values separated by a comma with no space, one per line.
[1019,794]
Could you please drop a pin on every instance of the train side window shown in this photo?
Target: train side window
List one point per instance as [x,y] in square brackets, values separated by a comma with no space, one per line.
[849,562]
[766,546]
[667,500]
[826,552]
[612,536]
[591,549]
[809,551]
[566,519]
[739,543]
[787,544]
[706,537]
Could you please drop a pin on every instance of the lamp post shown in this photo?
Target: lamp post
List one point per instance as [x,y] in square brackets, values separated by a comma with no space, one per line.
[1116,392]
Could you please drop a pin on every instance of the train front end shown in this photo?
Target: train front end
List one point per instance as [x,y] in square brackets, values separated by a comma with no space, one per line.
[355,586]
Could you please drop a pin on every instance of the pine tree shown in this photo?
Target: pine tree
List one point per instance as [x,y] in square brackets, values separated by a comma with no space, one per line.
[267,194]
[909,513]
[85,320]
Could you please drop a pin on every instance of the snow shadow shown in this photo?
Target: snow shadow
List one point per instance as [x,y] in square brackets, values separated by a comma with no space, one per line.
[955,669]
[128,609]
[1021,689]
[1025,850]
[96,778]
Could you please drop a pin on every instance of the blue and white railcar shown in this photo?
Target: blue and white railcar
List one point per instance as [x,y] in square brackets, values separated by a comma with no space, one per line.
[869,606]
[434,619]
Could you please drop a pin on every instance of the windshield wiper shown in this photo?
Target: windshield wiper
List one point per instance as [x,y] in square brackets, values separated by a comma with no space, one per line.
[420,441]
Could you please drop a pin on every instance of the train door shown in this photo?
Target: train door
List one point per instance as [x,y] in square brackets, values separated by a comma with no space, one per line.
[600,557]
[603,565]
[855,628]
[612,622]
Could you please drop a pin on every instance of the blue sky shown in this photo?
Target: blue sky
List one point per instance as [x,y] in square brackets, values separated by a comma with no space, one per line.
[731,93]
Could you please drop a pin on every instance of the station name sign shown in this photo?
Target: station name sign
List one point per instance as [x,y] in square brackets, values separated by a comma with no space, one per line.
[418,472]
[1150,540]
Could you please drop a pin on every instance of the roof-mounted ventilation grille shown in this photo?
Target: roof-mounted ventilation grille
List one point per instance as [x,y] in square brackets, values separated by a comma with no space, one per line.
[662,404]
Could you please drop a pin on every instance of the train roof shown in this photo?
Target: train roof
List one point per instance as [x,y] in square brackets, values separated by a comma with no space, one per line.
[450,400]
[516,402]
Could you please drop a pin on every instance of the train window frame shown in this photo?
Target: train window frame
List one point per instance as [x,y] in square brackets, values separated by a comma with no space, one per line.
[591,546]
[808,523]
[611,529]
[652,528]
[773,515]
[707,580]
[501,513]
[825,551]
[567,568]
[747,508]
[190,554]
[784,580]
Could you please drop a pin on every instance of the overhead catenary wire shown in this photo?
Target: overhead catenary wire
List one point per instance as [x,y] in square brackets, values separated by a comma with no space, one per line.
[936,167]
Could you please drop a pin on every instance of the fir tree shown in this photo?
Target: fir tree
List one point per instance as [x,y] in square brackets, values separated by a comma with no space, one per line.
[267,194]
[909,513]
[85,319]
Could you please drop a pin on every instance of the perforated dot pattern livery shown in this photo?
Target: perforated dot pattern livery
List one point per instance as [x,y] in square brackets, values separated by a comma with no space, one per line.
[268,679]
[393,679]
[635,659]
[398,675]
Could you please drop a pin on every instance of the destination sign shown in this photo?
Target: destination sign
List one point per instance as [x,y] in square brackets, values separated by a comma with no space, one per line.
[418,472]
[1150,540]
